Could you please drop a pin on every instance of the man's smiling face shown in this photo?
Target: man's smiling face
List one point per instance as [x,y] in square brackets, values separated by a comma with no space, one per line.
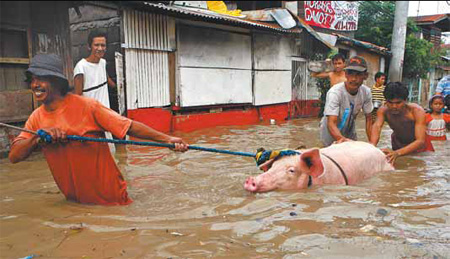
[41,88]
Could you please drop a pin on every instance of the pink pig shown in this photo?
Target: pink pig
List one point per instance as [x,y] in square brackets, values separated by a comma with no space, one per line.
[346,163]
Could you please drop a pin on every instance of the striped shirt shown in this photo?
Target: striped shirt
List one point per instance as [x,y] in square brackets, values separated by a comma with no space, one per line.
[377,93]
[377,99]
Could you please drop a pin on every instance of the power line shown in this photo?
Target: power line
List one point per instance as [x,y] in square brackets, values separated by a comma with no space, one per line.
[418,8]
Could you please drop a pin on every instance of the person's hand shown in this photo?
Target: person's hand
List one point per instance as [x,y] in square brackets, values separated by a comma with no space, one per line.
[341,140]
[58,135]
[391,155]
[180,145]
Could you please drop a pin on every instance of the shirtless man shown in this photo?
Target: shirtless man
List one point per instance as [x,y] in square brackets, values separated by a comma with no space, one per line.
[338,75]
[407,120]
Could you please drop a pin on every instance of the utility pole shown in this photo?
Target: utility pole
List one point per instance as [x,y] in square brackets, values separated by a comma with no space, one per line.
[398,41]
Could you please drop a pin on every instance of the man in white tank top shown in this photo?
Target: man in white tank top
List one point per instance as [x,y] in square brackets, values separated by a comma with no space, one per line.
[90,76]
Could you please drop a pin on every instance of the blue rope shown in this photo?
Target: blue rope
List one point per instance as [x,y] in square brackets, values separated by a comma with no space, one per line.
[47,138]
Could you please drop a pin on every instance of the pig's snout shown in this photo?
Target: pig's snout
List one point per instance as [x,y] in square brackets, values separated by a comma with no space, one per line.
[250,184]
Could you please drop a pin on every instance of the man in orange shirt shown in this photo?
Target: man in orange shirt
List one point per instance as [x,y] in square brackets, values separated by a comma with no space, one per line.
[85,172]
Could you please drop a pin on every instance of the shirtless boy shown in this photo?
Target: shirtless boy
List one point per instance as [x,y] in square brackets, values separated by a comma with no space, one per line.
[407,120]
[338,75]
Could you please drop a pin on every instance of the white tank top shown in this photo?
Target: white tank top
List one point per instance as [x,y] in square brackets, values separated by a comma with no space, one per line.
[94,75]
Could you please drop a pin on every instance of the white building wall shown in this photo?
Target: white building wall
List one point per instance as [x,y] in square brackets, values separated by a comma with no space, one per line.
[213,67]
[273,68]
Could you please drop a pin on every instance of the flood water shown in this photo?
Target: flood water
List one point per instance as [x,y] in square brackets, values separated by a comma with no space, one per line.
[193,205]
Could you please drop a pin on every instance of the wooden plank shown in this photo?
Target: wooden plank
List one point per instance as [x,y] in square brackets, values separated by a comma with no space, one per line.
[15,60]
[120,82]
[12,77]
[172,69]
[30,43]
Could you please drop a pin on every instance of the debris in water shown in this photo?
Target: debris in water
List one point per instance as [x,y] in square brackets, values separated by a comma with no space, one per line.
[382,212]
[78,227]
[367,228]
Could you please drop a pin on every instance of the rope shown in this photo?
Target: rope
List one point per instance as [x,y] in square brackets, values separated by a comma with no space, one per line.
[47,138]
[263,156]
[154,144]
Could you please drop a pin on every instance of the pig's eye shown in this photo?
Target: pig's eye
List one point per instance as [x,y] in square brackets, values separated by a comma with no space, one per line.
[291,170]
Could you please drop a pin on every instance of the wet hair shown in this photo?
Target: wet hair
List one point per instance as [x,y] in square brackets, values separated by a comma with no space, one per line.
[379,74]
[94,34]
[338,56]
[396,90]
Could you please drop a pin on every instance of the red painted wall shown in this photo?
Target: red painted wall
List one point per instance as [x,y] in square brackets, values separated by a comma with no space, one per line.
[163,120]
[157,118]
[206,120]
[277,112]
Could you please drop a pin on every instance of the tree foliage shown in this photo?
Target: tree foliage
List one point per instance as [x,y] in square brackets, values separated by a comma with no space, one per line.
[376,22]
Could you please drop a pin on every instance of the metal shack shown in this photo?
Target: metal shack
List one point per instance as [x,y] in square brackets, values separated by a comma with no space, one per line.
[187,68]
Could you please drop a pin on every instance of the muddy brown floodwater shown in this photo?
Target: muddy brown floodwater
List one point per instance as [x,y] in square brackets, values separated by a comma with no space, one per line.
[193,205]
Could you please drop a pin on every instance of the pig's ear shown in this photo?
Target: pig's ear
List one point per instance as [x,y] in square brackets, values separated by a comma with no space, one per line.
[311,163]
[267,165]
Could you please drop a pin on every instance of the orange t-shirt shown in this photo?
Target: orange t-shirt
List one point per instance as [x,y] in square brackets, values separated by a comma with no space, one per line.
[84,171]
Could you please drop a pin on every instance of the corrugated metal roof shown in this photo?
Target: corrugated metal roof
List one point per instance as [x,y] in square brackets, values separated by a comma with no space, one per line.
[314,33]
[363,44]
[213,16]
[210,16]
[429,18]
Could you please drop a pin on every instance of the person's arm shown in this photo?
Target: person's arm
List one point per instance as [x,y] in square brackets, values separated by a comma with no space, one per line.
[368,125]
[447,121]
[22,149]
[377,126]
[79,84]
[368,109]
[111,82]
[332,123]
[420,127]
[439,88]
[321,74]
[142,131]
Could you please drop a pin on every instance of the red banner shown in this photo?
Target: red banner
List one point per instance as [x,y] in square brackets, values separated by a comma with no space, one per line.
[334,15]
